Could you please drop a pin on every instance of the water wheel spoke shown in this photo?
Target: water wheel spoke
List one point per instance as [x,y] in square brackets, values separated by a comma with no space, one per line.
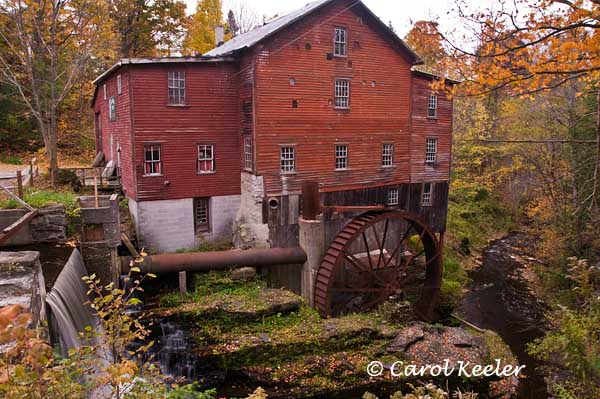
[382,243]
[392,256]
[354,261]
[364,236]
[376,233]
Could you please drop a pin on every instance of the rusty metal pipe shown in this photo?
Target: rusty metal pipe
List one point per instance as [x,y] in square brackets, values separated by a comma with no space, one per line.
[206,261]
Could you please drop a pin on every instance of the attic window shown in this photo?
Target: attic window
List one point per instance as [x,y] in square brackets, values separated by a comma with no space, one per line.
[340,42]
[119,85]
[176,83]
[104,90]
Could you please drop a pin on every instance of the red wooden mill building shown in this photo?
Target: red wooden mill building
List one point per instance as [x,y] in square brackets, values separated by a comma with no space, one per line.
[218,146]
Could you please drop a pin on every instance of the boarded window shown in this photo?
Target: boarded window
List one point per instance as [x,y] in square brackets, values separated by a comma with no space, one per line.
[152,161]
[387,155]
[248,153]
[206,158]
[288,159]
[393,196]
[202,214]
[341,157]
[112,108]
[342,93]
[176,88]
[119,85]
[427,194]
[431,150]
[432,106]
[340,42]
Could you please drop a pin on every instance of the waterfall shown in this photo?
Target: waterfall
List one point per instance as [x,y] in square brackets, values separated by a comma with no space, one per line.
[175,355]
[67,300]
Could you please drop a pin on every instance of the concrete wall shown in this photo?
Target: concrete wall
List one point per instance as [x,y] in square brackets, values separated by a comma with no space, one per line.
[50,225]
[250,229]
[168,225]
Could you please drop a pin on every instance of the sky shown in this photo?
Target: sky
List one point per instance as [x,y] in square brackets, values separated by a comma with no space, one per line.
[399,12]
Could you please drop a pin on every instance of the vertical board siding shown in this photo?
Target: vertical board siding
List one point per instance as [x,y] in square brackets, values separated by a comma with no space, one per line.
[119,129]
[379,102]
[424,127]
[210,116]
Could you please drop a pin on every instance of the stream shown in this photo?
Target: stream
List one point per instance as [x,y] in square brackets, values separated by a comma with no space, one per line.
[499,299]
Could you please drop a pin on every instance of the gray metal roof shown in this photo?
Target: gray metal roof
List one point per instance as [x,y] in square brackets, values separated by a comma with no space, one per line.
[161,60]
[251,38]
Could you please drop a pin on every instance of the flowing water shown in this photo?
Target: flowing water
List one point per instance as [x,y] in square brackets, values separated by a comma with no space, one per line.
[67,300]
[499,299]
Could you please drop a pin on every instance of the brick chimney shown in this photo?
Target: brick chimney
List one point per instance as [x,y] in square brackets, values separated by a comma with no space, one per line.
[219,35]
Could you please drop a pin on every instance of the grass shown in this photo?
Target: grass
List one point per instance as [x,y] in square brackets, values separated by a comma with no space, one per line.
[42,198]
[11,160]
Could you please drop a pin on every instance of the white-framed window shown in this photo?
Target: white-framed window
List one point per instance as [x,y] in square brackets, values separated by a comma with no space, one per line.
[342,93]
[427,194]
[248,153]
[202,214]
[112,108]
[176,87]
[104,90]
[340,42]
[387,155]
[119,85]
[341,157]
[393,196]
[288,159]
[206,158]
[432,106]
[152,160]
[431,150]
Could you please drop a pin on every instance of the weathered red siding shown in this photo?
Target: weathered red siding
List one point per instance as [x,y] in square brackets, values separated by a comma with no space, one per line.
[424,127]
[210,116]
[120,129]
[379,103]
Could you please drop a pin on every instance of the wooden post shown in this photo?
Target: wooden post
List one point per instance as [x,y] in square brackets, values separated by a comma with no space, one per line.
[182,284]
[31,173]
[19,184]
[96,191]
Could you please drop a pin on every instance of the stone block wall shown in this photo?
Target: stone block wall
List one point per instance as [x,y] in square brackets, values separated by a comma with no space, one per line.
[50,225]
[22,283]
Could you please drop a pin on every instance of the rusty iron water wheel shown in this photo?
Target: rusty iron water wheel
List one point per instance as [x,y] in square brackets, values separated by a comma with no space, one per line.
[378,255]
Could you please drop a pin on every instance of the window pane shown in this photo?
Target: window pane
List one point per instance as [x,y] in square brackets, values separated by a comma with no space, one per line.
[393,196]
[341,156]
[431,150]
[387,155]
[340,42]
[342,93]
[176,87]
[288,159]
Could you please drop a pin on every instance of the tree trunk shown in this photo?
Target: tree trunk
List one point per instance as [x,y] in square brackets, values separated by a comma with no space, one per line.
[53,150]
[594,203]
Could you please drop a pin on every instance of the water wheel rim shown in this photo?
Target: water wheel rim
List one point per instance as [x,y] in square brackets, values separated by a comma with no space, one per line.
[338,252]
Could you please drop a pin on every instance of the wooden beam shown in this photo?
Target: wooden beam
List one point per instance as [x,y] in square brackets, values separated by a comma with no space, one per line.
[16,198]
[359,208]
[129,245]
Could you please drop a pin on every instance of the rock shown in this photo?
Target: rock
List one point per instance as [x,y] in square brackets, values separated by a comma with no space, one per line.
[406,337]
[243,274]
[22,284]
